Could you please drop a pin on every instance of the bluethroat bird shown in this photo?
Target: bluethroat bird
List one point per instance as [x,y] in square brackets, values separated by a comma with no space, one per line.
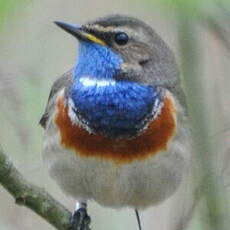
[115,125]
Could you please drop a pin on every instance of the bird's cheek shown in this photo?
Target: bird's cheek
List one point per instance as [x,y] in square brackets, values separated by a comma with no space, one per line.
[129,72]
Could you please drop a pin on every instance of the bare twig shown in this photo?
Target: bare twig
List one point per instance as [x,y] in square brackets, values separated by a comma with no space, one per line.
[31,196]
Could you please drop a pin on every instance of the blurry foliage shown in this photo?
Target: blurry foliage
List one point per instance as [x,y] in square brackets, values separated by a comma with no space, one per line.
[6,7]
[9,87]
[203,149]
[192,8]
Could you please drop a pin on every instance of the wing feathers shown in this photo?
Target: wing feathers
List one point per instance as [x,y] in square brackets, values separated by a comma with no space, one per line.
[59,84]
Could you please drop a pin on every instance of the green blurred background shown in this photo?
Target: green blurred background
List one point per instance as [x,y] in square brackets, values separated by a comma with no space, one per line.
[34,52]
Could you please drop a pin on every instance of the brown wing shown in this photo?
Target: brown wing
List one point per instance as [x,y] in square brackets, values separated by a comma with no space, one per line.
[58,85]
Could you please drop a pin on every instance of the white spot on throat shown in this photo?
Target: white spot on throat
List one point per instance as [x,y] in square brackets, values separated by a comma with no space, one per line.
[86,81]
[71,113]
[74,118]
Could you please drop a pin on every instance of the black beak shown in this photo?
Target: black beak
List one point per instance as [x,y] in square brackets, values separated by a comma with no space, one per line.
[78,32]
[70,28]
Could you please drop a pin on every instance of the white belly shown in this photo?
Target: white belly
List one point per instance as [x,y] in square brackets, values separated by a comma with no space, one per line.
[137,184]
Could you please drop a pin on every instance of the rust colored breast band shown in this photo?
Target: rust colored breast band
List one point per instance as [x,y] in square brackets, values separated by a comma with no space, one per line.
[151,141]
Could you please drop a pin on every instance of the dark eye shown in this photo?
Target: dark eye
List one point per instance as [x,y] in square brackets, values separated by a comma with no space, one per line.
[121,38]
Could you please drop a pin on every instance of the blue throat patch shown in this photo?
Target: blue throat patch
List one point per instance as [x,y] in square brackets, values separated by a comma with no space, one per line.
[96,61]
[106,106]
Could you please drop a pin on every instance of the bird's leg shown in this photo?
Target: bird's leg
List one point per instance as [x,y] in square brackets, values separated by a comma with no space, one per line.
[138,219]
[80,219]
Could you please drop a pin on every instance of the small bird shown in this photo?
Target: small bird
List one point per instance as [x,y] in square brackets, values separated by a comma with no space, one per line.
[116,127]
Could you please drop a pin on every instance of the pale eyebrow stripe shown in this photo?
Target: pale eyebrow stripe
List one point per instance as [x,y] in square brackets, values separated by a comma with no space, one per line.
[109,29]
[100,28]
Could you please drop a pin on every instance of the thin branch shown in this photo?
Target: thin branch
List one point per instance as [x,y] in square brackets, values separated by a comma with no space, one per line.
[31,196]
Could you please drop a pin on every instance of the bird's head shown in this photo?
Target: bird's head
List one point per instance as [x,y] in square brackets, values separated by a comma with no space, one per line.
[124,48]
[121,71]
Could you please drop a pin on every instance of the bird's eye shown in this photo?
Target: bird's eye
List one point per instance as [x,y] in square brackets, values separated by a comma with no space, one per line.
[121,38]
